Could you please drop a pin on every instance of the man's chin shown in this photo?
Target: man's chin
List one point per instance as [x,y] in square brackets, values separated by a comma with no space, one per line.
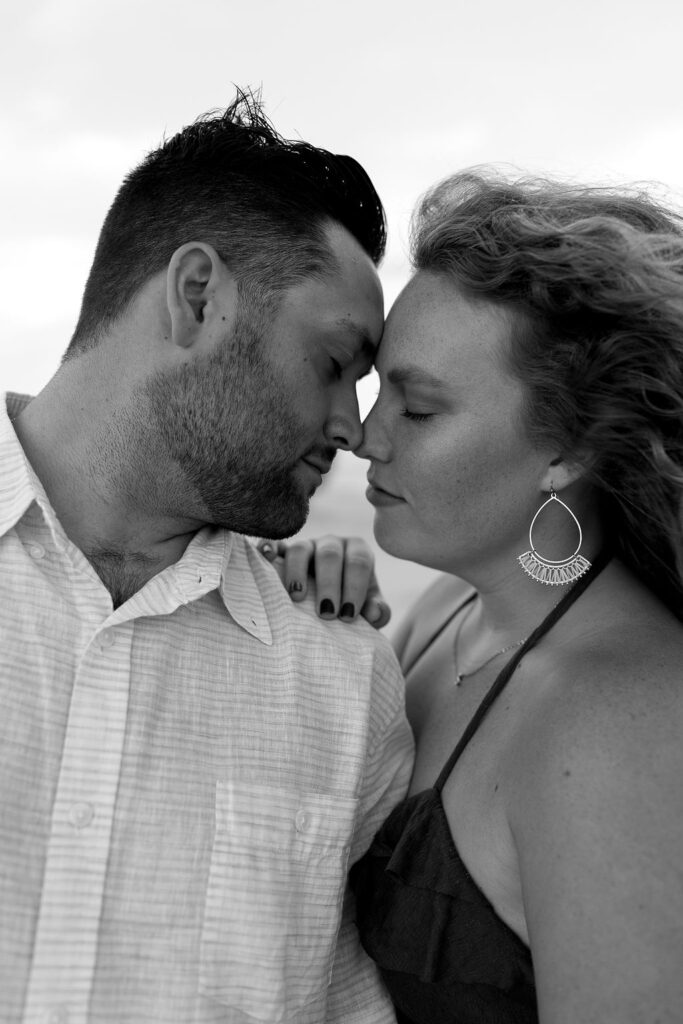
[281,523]
[273,506]
[282,528]
[288,513]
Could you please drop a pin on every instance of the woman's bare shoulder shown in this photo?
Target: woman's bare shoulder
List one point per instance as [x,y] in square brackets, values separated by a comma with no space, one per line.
[427,614]
[611,703]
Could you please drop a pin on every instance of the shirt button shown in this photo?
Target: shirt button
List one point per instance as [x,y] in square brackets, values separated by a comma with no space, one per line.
[302,821]
[36,551]
[57,1015]
[107,640]
[80,816]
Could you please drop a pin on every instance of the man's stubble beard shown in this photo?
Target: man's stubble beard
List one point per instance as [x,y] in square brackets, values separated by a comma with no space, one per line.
[229,425]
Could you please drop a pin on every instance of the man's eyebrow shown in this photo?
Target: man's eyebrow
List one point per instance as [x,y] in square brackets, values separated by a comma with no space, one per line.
[415,375]
[367,347]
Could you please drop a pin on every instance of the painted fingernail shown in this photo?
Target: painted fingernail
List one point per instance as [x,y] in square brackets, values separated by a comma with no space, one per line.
[326,607]
[295,587]
[348,610]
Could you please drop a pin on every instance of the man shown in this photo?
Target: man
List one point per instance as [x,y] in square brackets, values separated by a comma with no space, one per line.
[189,761]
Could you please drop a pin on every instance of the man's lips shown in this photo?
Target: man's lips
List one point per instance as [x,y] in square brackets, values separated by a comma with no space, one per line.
[322,465]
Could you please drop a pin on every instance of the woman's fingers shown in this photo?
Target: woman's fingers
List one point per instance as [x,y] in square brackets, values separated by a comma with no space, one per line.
[358,563]
[298,565]
[375,609]
[273,551]
[329,571]
[345,582]
[270,549]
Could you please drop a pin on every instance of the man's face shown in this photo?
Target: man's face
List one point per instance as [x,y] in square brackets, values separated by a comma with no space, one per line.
[254,423]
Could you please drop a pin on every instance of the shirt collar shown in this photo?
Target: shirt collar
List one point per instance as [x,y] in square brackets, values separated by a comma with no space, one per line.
[240,589]
[19,485]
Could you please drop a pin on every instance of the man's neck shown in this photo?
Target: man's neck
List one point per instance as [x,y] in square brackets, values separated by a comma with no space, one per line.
[107,506]
[123,574]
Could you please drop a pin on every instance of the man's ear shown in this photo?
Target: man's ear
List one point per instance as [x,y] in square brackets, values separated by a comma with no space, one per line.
[194,278]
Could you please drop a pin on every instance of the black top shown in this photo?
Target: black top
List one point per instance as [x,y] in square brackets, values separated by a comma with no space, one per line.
[445,955]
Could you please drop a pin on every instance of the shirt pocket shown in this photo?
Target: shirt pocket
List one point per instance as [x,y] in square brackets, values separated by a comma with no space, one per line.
[274,898]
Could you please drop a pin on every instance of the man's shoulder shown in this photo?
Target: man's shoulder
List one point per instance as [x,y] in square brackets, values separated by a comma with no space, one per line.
[356,641]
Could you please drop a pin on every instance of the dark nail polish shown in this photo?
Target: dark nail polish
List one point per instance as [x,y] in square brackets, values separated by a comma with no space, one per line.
[348,610]
[326,607]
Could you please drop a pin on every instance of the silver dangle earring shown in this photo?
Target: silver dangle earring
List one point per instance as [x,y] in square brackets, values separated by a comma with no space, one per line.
[544,570]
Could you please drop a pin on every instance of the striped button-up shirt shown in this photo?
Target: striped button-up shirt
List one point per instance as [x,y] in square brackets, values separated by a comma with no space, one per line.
[184,781]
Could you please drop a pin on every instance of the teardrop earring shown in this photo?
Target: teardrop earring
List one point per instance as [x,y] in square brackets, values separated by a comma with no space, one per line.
[545,570]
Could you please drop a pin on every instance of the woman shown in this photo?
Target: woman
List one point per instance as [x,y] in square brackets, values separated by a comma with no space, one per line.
[528,441]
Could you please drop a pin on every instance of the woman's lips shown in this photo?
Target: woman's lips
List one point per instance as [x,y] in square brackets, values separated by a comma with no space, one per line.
[381,498]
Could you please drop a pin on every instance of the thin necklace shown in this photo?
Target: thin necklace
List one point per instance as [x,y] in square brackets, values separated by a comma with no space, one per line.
[459,676]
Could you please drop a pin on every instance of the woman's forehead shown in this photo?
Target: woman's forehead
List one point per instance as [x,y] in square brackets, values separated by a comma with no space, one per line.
[435,323]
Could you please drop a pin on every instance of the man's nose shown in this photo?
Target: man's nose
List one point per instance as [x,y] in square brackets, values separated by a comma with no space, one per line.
[343,428]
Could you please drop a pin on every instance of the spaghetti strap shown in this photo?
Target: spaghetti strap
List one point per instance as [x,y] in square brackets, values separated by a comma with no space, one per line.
[435,636]
[504,675]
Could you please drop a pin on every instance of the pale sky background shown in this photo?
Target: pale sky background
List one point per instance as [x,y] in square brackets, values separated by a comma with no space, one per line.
[587,89]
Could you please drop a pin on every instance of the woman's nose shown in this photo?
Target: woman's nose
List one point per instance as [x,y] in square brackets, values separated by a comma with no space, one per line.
[375,443]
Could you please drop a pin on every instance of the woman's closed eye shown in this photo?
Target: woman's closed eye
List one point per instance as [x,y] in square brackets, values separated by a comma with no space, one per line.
[416,417]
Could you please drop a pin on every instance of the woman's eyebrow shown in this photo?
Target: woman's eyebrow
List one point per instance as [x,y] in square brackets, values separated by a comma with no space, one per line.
[415,375]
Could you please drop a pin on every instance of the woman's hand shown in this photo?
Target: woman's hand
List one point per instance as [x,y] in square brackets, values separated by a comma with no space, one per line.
[344,573]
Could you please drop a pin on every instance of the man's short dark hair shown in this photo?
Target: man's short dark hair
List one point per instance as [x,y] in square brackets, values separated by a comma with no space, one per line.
[229,180]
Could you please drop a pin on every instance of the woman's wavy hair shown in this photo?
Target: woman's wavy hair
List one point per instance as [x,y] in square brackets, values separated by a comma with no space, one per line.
[593,280]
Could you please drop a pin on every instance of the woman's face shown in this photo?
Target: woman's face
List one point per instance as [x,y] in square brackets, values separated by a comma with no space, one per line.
[454,478]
